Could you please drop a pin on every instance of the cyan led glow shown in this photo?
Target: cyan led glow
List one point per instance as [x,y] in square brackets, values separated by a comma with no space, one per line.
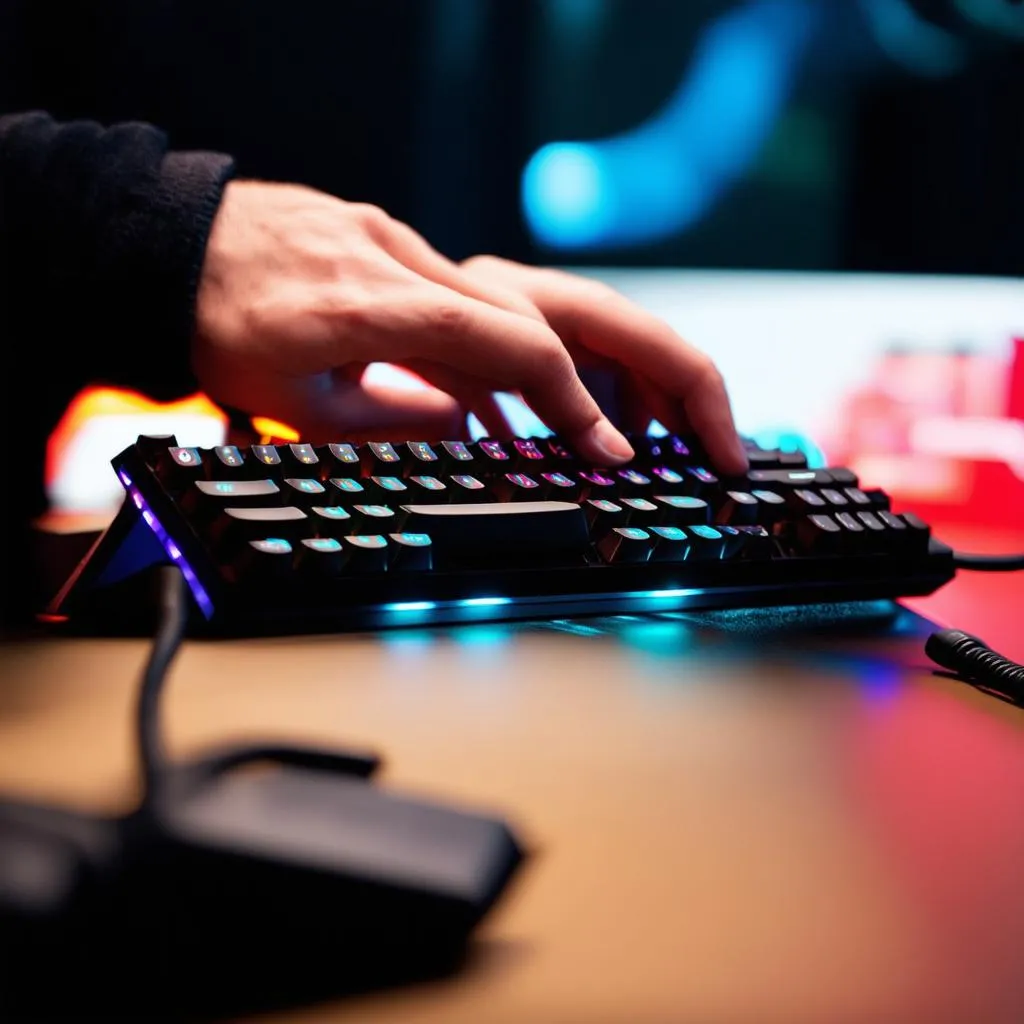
[484,602]
[410,606]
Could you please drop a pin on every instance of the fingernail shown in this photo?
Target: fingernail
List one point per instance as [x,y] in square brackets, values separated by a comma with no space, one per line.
[613,445]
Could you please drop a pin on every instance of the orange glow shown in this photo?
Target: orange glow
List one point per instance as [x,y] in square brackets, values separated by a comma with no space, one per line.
[95,401]
[271,430]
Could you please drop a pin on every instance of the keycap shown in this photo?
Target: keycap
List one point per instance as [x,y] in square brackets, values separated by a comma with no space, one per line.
[367,553]
[842,475]
[834,497]
[228,463]
[321,556]
[682,510]
[757,544]
[207,496]
[429,489]
[374,518]
[706,543]
[771,507]
[234,527]
[410,552]
[856,496]
[331,520]
[491,456]
[788,478]
[667,481]
[604,515]
[641,511]
[178,468]
[625,544]
[386,488]
[918,532]
[671,544]
[338,459]
[303,491]
[802,501]
[503,530]
[344,489]
[699,481]
[560,455]
[418,457]
[467,488]
[855,534]
[269,558]
[738,508]
[818,535]
[299,460]
[268,458]
[596,484]
[559,487]
[455,457]
[633,483]
[379,458]
[516,487]
[528,456]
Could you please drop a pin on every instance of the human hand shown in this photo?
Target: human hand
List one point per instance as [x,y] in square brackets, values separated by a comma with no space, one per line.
[662,377]
[301,291]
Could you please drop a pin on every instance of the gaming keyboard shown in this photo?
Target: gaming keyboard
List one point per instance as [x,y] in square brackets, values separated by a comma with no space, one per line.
[284,537]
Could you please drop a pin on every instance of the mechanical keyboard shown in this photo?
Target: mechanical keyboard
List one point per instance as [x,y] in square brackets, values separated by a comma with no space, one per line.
[295,537]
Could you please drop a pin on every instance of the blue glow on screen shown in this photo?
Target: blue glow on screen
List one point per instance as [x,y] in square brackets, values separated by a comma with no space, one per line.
[664,175]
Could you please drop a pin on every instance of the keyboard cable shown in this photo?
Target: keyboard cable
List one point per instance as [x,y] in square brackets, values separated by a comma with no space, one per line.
[157,770]
[166,643]
[970,658]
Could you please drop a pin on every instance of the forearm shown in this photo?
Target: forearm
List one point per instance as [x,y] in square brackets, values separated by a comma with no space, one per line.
[102,236]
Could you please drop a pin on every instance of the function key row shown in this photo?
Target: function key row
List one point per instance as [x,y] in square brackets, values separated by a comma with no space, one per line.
[484,458]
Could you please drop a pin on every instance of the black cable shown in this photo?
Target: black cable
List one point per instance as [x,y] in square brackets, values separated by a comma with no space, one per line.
[166,641]
[988,563]
[975,661]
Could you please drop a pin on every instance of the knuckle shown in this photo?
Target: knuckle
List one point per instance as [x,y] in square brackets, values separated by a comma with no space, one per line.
[447,318]
[372,218]
[483,261]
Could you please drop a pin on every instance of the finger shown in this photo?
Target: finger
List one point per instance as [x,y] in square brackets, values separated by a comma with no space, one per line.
[414,252]
[508,352]
[472,394]
[616,328]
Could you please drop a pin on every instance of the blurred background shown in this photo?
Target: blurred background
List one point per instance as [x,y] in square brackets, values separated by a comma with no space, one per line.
[826,195]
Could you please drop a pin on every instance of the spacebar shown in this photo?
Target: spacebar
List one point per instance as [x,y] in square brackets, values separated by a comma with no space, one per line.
[506,529]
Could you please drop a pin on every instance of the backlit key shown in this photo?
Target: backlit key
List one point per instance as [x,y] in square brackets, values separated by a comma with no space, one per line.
[366,553]
[671,544]
[682,510]
[706,543]
[410,552]
[322,556]
[331,520]
[625,544]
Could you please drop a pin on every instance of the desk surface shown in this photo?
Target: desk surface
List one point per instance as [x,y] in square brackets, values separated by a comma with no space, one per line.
[735,820]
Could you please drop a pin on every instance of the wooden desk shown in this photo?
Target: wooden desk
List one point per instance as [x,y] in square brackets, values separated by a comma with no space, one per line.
[733,824]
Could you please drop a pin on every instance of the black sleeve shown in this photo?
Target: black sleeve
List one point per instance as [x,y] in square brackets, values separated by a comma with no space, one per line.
[102,236]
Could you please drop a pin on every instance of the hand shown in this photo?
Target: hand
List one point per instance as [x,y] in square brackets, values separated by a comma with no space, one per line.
[662,377]
[301,291]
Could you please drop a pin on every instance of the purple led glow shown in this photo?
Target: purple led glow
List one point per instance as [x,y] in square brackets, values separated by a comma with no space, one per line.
[198,591]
